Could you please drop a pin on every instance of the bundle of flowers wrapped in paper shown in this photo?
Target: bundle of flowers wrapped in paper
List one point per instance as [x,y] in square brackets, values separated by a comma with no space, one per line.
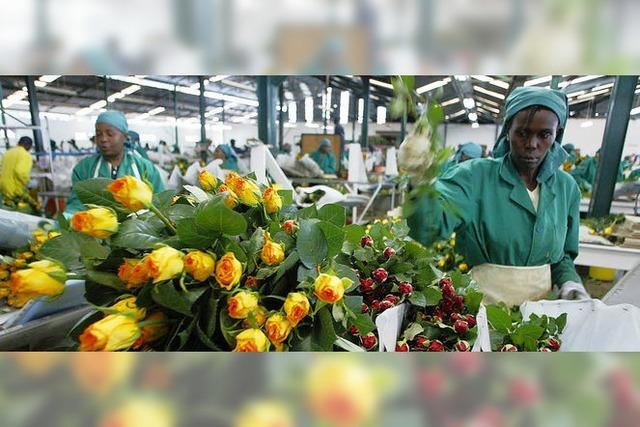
[25,275]
[225,266]
[22,202]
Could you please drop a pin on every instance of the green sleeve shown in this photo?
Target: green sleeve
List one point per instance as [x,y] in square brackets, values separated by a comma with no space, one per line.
[153,176]
[331,167]
[436,217]
[565,270]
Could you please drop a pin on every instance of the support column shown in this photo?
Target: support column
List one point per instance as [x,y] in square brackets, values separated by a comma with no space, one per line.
[615,132]
[203,129]
[555,81]
[267,109]
[364,136]
[281,116]
[2,119]
[35,114]
[175,113]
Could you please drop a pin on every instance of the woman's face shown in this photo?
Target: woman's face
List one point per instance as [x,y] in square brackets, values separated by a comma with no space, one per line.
[219,154]
[110,141]
[531,137]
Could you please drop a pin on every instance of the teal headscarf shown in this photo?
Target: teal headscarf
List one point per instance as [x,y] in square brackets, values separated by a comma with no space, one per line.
[525,97]
[115,119]
[326,161]
[231,161]
[469,149]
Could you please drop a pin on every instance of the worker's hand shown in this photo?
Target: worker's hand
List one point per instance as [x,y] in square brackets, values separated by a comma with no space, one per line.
[573,291]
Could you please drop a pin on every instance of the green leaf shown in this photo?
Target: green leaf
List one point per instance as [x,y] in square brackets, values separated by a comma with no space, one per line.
[288,263]
[561,321]
[168,296]
[184,335]
[364,323]
[400,229]
[334,237]
[100,295]
[305,273]
[214,216]
[353,234]
[337,311]
[472,300]
[323,334]
[307,213]
[191,236]
[163,200]
[412,331]
[227,326]
[238,251]
[311,245]
[137,234]
[346,271]
[286,196]
[365,254]
[181,211]
[459,279]
[94,192]
[65,249]
[265,272]
[418,299]
[432,295]
[528,331]
[499,318]
[106,279]
[205,339]
[211,314]
[334,214]
[353,302]
[198,193]
[63,223]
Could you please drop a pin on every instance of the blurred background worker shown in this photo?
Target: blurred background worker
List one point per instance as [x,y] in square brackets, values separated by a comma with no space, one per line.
[16,168]
[324,157]
[113,160]
[467,151]
[228,156]
[133,144]
[585,172]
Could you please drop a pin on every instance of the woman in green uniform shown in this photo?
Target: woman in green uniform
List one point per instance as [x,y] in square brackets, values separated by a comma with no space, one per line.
[517,215]
[325,158]
[467,151]
[229,159]
[585,172]
[113,160]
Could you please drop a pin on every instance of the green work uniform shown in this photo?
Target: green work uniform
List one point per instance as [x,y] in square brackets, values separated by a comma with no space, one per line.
[585,173]
[486,203]
[327,162]
[97,167]
[447,166]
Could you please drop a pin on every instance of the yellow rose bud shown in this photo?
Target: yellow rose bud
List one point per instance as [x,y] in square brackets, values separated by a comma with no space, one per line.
[247,191]
[607,231]
[114,332]
[128,306]
[133,273]
[42,278]
[256,318]
[53,234]
[164,263]
[271,199]
[251,340]
[278,328]
[156,329]
[296,306]
[96,222]
[207,180]
[231,199]
[4,275]
[442,262]
[272,253]
[463,267]
[200,265]
[330,289]
[228,271]
[264,414]
[5,289]
[241,304]
[131,193]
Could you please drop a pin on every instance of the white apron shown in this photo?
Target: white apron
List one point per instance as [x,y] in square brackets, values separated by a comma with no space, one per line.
[96,171]
[512,285]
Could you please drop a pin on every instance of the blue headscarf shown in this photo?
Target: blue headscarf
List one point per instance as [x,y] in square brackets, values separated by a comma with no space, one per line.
[525,97]
[231,161]
[114,119]
[133,136]
[469,149]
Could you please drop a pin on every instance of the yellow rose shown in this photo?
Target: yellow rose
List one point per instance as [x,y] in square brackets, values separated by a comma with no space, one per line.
[53,234]
[272,253]
[5,289]
[256,318]
[607,231]
[278,328]
[156,329]
[241,304]
[100,373]
[39,236]
[4,274]
[330,289]
[207,180]
[463,267]
[200,265]
[228,271]
[133,273]
[231,200]
[131,193]
[271,199]
[264,414]
[251,340]
[96,222]
[247,191]
[140,411]
[128,306]
[114,332]
[164,263]
[42,278]
[296,306]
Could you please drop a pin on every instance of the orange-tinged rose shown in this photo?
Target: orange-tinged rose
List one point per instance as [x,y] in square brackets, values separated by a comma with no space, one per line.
[114,332]
[251,340]
[264,414]
[100,373]
[42,278]
[133,273]
[271,199]
[247,191]
[290,226]
[256,318]
[36,365]
[296,306]
[231,199]
[330,289]
[272,253]
[131,193]
[278,328]
[128,306]
[207,180]
[155,329]
[96,222]
[200,265]
[228,271]
[241,304]
[164,263]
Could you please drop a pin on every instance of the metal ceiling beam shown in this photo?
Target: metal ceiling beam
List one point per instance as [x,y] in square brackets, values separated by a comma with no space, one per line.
[35,114]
